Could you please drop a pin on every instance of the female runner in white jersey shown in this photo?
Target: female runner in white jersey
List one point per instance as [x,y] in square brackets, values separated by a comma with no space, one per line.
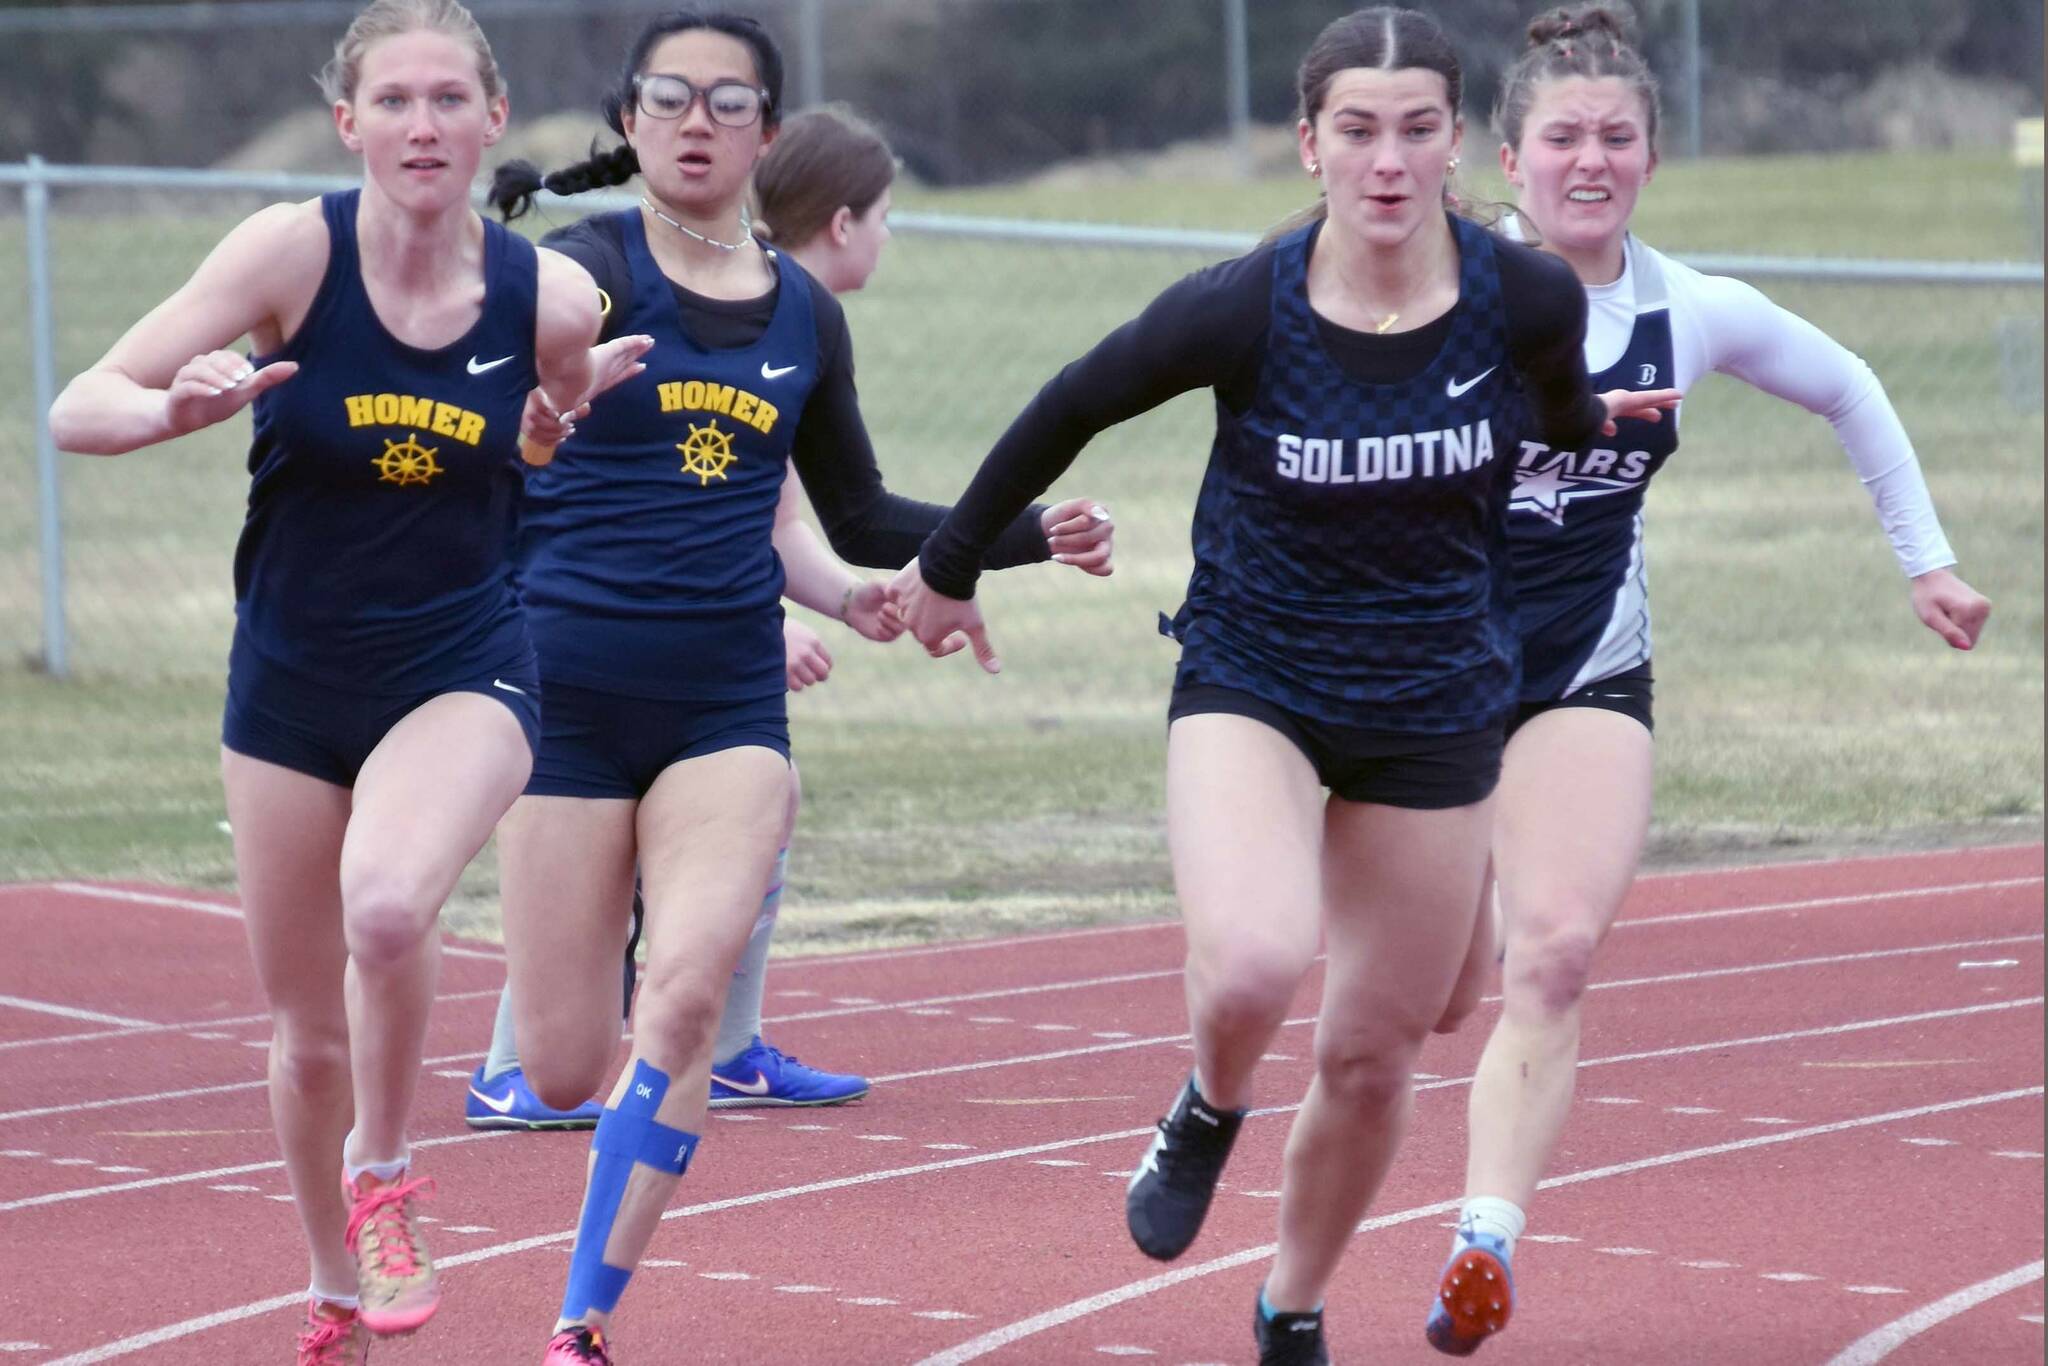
[1578,113]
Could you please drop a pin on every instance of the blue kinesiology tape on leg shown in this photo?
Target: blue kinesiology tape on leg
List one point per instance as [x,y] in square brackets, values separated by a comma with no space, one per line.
[625,1137]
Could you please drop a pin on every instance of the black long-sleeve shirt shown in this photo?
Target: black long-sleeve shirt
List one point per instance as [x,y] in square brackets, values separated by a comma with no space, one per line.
[1209,331]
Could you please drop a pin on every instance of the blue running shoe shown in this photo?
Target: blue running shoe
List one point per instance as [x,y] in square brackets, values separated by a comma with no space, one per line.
[764,1075]
[507,1102]
[1475,1298]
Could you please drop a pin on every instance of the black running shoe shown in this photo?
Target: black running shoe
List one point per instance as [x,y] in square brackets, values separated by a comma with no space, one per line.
[1170,1192]
[1290,1339]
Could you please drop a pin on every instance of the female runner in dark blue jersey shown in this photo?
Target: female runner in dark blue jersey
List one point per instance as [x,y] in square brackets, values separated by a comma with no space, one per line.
[1346,627]
[382,695]
[648,569]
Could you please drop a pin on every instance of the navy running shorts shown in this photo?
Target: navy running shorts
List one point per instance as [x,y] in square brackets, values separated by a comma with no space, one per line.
[328,732]
[602,744]
[1358,764]
[1628,692]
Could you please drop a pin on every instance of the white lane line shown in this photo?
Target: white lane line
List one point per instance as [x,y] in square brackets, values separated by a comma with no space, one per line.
[1014,941]
[1820,903]
[1874,1289]
[1930,1142]
[1125,978]
[213,1174]
[1052,1318]
[1875,1346]
[1709,1265]
[198,1029]
[1789,1277]
[2016,1153]
[224,1088]
[1619,984]
[172,1332]
[1821,1031]
[993,994]
[72,1012]
[79,889]
[186,903]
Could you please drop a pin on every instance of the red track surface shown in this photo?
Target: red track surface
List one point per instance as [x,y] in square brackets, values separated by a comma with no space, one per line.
[1809,1129]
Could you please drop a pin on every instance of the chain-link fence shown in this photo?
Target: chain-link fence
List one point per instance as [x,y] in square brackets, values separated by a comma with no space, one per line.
[972,91]
[1779,615]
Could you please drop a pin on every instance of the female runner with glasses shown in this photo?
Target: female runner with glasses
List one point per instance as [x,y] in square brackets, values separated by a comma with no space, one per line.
[653,589]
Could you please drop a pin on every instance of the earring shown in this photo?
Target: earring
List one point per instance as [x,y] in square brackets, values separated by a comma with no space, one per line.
[1315,168]
[1452,169]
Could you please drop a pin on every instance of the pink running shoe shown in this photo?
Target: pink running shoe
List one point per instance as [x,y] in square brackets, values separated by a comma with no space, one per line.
[582,1345]
[395,1275]
[333,1336]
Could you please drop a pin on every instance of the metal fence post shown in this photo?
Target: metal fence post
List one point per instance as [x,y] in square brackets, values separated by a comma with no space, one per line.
[1690,61]
[43,355]
[810,46]
[1237,85]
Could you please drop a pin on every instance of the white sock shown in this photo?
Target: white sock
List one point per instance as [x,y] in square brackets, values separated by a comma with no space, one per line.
[1502,1219]
[319,1296]
[383,1171]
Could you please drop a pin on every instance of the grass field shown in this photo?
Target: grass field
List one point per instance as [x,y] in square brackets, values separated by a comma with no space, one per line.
[1798,699]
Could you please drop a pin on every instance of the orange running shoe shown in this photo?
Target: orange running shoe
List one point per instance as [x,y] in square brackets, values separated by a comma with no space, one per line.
[396,1277]
[333,1336]
[1475,1298]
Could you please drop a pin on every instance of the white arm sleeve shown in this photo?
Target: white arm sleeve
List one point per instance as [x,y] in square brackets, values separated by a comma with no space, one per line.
[1737,331]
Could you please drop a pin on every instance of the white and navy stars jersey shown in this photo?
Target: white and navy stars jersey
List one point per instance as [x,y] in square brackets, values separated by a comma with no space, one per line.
[1350,557]
[1576,518]
[385,485]
[1575,525]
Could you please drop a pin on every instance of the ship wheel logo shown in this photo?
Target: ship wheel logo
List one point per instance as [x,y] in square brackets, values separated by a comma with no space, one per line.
[407,461]
[707,452]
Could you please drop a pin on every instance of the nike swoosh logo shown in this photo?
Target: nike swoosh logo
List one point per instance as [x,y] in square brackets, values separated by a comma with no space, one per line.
[501,683]
[503,1107]
[774,372]
[757,1087]
[477,367]
[1453,388]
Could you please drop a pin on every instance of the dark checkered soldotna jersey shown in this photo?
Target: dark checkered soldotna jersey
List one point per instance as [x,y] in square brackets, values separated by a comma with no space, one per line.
[1349,552]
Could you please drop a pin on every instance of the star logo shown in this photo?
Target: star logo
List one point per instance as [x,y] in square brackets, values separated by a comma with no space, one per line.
[707,452]
[1548,491]
[407,461]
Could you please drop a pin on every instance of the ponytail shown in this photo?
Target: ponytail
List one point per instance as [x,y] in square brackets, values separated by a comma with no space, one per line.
[514,184]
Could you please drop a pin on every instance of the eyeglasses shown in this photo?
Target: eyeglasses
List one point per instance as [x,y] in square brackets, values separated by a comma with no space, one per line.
[730,103]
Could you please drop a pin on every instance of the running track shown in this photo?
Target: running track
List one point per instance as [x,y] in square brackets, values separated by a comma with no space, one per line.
[1809,1130]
